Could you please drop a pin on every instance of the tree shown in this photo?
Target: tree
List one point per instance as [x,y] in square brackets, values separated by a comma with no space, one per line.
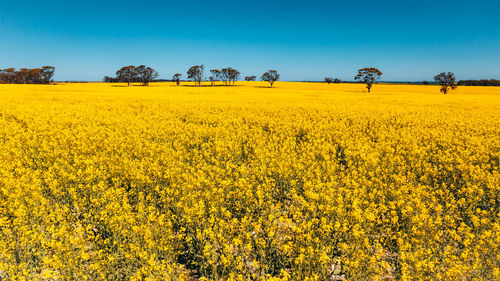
[228,75]
[146,74]
[7,75]
[250,78]
[196,73]
[328,80]
[21,76]
[47,74]
[233,75]
[368,76]
[34,76]
[446,80]
[177,78]
[216,76]
[336,80]
[271,76]
[127,74]
[224,75]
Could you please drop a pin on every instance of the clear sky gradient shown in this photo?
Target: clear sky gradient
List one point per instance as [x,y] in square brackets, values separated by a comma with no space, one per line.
[303,40]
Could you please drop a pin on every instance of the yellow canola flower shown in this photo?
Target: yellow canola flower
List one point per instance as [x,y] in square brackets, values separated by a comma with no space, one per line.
[305,181]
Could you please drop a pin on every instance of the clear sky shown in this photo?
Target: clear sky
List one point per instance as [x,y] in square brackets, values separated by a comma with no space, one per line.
[303,40]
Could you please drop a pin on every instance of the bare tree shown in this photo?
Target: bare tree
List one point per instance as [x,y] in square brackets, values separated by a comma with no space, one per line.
[368,76]
[196,73]
[146,74]
[271,76]
[446,80]
[177,78]
[127,74]
[250,78]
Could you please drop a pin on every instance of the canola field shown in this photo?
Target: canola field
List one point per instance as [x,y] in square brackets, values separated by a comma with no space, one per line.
[305,181]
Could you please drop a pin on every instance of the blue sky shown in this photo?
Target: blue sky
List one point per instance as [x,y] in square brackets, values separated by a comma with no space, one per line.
[303,40]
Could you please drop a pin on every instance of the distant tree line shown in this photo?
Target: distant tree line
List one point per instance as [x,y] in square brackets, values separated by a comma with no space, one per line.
[482,82]
[27,75]
[228,76]
[145,75]
[329,80]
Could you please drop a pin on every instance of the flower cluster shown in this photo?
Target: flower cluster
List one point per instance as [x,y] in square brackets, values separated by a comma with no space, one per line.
[301,182]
